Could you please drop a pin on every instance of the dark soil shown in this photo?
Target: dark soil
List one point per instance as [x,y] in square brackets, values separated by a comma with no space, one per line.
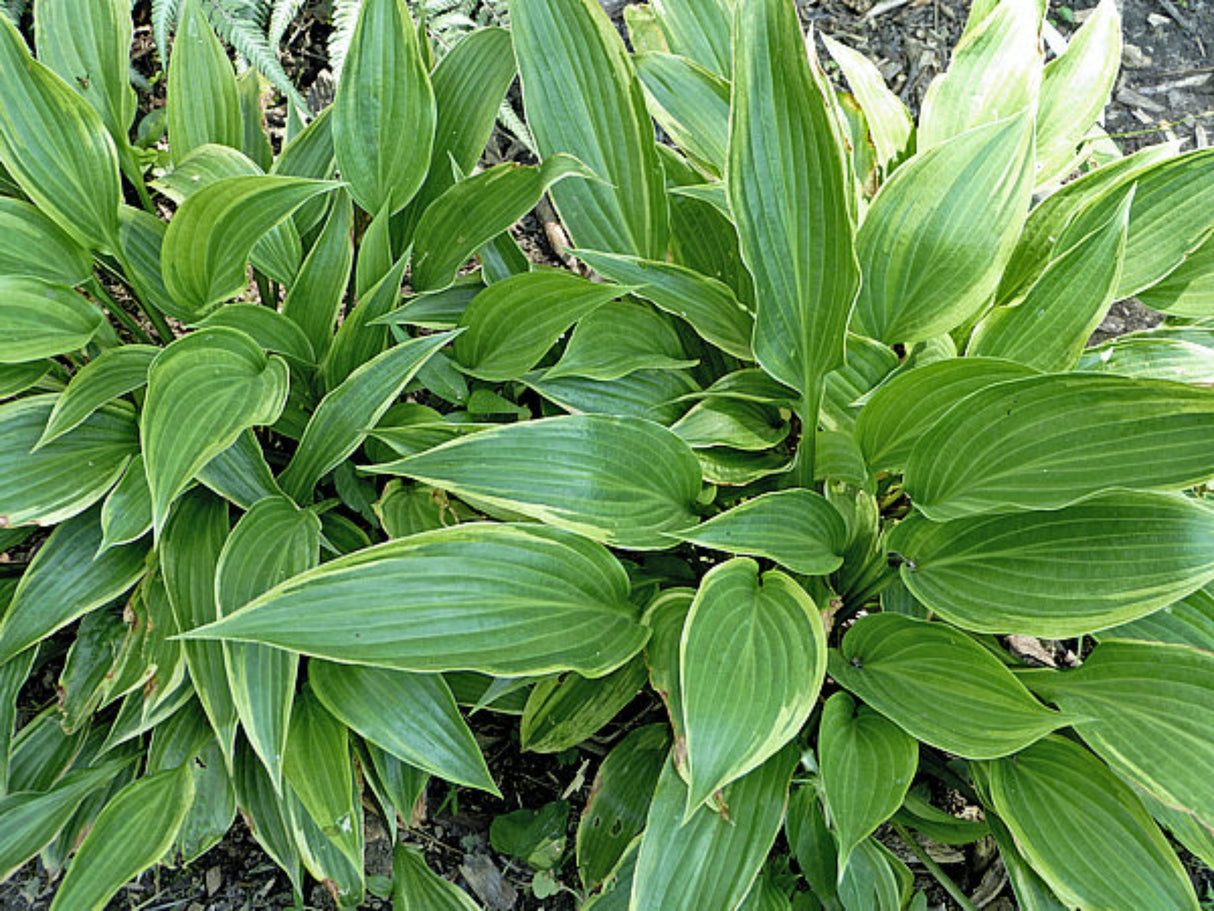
[1165,91]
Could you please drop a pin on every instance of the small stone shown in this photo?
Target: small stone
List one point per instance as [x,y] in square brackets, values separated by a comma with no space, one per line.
[1157,21]
[214,880]
[1133,57]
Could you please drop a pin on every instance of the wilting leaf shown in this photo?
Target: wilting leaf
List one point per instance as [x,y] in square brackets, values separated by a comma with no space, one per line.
[1061,438]
[768,630]
[134,831]
[867,765]
[504,599]
[1070,814]
[797,528]
[619,800]
[203,391]
[1076,570]
[622,481]
[940,686]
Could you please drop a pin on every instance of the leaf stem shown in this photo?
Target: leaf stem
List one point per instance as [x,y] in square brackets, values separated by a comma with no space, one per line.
[803,468]
[934,868]
[117,311]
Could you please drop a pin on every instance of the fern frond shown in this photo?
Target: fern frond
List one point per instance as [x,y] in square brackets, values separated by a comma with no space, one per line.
[164,15]
[247,39]
[345,18]
[14,9]
[280,17]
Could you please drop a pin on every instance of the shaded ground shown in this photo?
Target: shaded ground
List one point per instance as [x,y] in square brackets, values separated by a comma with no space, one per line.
[1165,90]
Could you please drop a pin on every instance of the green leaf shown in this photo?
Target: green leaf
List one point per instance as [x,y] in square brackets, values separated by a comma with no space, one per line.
[1168,218]
[111,375]
[618,339]
[560,714]
[709,860]
[203,391]
[867,766]
[1070,815]
[132,833]
[940,686]
[511,324]
[240,473]
[1059,313]
[690,103]
[875,878]
[415,887]
[769,632]
[603,123]
[384,112]
[650,394]
[505,599]
[789,191]
[622,481]
[477,209]
[708,305]
[1075,90]
[1190,621]
[265,811]
[1061,438]
[889,122]
[39,319]
[797,528]
[619,798]
[412,716]
[317,765]
[190,550]
[996,70]
[315,298]
[32,819]
[1084,568]
[470,84]
[535,837]
[361,335]
[747,426]
[1188,290]
[126,514]
[272,542]
[89,45]
[341,421]
[1156,354]
[203,99]
[56,148]
[939,232]
[209,240]
[24,228]
[698,31]
[270,329]
[1145,709]
[902,410]
[66,579]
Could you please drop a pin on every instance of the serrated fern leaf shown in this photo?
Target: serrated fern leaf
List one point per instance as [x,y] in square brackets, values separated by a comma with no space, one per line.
[164,15]
[284,11]
[242,31]
[345,17]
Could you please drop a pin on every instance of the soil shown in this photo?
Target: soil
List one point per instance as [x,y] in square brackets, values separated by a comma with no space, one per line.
[1165,91]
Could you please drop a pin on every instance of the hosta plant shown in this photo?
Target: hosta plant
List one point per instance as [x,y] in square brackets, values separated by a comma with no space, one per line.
[809,455]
